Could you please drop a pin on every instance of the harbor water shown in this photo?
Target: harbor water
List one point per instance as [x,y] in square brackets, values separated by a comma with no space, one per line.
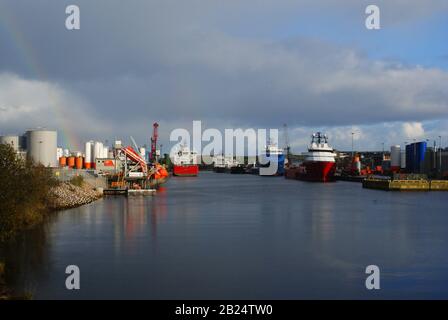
[223,236]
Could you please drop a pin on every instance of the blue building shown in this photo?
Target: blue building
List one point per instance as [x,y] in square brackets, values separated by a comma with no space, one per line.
[415,156]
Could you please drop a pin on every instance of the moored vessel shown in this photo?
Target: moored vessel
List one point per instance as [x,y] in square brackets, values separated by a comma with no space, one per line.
[272,154]
[319,164]
[185,163]
[219,163]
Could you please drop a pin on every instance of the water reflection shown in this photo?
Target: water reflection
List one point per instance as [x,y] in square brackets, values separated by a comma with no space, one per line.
[231,236]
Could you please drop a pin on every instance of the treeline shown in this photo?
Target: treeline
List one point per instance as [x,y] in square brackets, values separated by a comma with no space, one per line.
[24,192]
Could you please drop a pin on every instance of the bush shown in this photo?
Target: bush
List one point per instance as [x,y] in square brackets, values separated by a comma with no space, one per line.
[24,190]
[77,181]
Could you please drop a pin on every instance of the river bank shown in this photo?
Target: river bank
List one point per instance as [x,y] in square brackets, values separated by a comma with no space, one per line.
[4,292]
[67,195]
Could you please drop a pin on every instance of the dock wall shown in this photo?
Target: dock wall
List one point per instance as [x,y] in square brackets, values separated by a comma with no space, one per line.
[406,185]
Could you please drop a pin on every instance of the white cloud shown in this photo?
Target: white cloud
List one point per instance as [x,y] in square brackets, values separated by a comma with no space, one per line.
[28,104]
[413,130]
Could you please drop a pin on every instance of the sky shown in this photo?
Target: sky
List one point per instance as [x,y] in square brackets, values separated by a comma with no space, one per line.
[312,65]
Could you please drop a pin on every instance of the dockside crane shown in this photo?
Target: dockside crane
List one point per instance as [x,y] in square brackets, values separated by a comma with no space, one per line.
[155,136]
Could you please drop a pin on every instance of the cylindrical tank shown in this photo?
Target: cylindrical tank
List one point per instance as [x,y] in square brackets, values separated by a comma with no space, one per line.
[42,147]
[62,161]
[403,160]
[98,153]
[79,162]
[88,155]
[105,152]
[395,157]
[71,162]
[415,156]
[13,141]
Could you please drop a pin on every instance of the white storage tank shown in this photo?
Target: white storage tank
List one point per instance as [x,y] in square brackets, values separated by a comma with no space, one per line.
[12,140]
[88,155]
[105,152]
[395,157]
[42,147]
[98,151]
[403,159]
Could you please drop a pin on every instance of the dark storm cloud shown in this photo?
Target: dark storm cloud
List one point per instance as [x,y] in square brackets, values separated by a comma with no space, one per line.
[133,62]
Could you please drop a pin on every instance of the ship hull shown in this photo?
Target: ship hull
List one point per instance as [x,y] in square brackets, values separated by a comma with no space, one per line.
[280,159]
[237,170]
[317,171]
[186,170]
[219,169]
[292,173]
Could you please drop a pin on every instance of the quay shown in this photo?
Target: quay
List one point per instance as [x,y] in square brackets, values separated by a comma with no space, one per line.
[129,192]
[405,185]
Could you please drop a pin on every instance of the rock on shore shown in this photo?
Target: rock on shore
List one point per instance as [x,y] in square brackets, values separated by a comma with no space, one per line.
[67,195]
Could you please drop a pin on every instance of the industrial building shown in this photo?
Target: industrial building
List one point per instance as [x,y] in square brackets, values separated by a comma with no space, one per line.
[42,147]
[39,145]
[432,161]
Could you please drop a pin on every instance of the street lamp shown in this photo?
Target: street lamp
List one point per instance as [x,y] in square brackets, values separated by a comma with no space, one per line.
[353,151]
[440,154]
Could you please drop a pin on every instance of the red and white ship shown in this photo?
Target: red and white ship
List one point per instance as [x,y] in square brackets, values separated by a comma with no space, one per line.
[185,163]
[319,164]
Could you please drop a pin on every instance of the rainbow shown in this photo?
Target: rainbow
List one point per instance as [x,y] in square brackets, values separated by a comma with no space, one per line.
[26,52]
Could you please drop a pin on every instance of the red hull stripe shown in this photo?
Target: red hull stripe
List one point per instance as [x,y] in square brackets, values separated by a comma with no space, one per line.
[319,171]
[187,170]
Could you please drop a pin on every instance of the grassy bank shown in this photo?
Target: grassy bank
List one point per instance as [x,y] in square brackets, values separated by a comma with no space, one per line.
[4,293]
[24,192]
[28,193]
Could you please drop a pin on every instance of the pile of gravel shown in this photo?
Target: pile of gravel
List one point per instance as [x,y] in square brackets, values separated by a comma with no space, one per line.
[67,195]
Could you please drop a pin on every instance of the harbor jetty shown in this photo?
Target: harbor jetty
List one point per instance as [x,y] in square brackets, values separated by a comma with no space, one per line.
[67,195]
[405,185]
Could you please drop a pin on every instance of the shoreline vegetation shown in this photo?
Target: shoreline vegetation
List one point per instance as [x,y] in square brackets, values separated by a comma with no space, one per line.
[28,194]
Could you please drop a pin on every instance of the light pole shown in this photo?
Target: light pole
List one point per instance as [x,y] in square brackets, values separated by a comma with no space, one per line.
[440,155]
[383,149]
[161,152]
[353,150]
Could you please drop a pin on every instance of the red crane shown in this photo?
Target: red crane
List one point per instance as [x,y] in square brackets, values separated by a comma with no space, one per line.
[155,136]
